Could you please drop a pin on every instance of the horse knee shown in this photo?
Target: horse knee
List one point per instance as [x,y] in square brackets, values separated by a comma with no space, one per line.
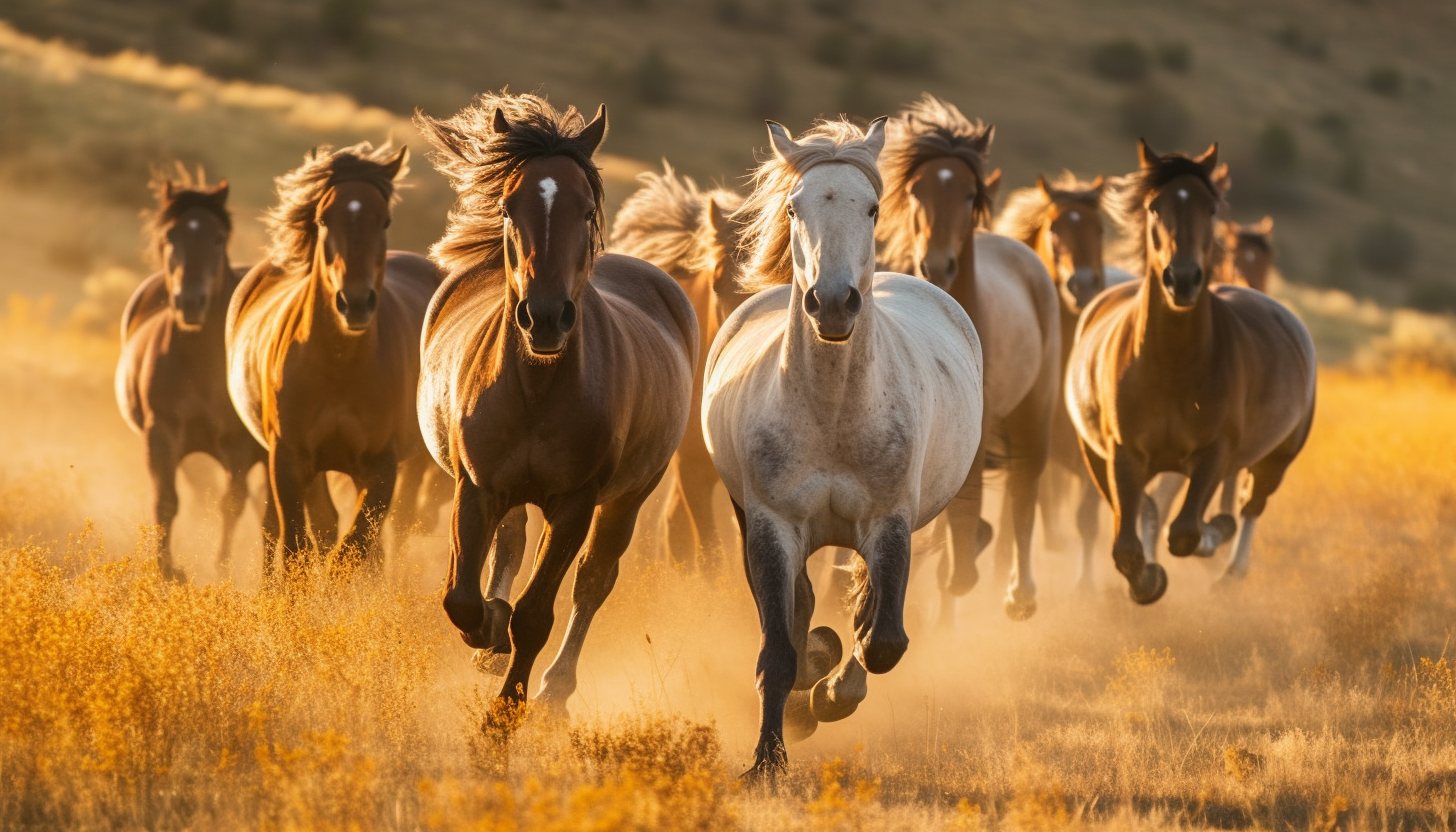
[466,610]
[880,652]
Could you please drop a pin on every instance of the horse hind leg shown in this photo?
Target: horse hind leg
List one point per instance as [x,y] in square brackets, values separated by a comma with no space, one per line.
[698,486]
[234,501]
[1189,534]
[1265,477]
[1089,511]
[376,494]
[968,532]
[323,515]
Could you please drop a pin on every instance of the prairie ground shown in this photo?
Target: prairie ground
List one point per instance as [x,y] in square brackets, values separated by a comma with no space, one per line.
[1318,694]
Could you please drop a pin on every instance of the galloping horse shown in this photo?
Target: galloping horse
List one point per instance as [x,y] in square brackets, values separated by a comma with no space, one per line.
[171,378]
[686,232]
[935,196]
[553,375]
[1062,222]
[323,343]
[1248,254]
[1170,375]
[842,408]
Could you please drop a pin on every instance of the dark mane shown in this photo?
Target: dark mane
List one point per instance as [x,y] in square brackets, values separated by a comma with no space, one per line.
[291,223]
[929,129]
[189,190]
[481,163]
[1127,204]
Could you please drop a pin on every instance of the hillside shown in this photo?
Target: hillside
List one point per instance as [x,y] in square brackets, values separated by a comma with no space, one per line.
[1337,116]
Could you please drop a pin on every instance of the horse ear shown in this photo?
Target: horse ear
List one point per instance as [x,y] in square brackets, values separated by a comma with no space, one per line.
[1098,184]
[1221,179]
[393,166]
[590,137]
[1147,157]
[717,218]
[874,139]
[1209,159]
[220,192]
[167,190]
[500,123]
[993,184]
[1041,185]
[779,139]
[324,204]
[1265,226]
[983,142]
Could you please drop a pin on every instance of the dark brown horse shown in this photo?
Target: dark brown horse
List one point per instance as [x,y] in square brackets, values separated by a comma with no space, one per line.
[1062,222]
[1248,253]
[685,231]
[171,381]
[1170,375]
[553,375]
[323,342]
[936,196]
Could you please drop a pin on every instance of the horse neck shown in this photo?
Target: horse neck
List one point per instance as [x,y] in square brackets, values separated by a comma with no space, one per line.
[1179,340]
[835,373]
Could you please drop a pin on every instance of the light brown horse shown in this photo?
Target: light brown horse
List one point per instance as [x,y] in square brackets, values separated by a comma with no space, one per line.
[934,167]
[1248,253]
[553,375]
[171,380]
[1062,222]
[323,343]
[672,224]
[1170,375]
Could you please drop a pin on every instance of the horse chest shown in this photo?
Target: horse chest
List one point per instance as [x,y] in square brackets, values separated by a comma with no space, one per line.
[841,469]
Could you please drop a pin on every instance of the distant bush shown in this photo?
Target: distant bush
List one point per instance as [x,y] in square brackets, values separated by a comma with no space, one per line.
[219,17]
[1334,124]
[1123,60]
[731,12]
[768,91]
[857,96]
[895,56]
[832,48]
[1350,175]
[654,80]
[1278,149]
[833,8]
[1154,113]
[1433,296]
[1386,247]
[346,23]
[1385,80]
[1175,57]
[1300,42]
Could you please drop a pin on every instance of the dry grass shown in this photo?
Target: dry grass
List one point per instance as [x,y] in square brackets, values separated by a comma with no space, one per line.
[1318,695]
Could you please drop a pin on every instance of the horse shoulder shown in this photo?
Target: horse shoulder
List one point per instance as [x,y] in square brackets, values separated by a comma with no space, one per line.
[646,286]
[149,298]
[251,288]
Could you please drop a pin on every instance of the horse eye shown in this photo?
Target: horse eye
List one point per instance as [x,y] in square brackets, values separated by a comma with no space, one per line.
[791,211]
[388,221]
[591,215]
[503,212]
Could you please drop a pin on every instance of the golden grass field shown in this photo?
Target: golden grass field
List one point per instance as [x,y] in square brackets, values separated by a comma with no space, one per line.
[1317,695]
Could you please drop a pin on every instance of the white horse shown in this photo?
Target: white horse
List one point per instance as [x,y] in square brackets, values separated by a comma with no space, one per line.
[842,408]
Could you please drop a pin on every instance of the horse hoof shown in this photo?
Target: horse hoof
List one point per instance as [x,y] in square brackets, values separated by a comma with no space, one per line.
[497,625]
[984,533]
[1020,610]
[799,720]
[1225,527]
[826,709]
[491,662]
[825,651]
[1183,543]
[1150,584]
[1228,581]
[963,579]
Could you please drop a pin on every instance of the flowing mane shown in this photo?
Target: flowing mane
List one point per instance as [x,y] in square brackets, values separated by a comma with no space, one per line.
[1127,205]
[480,164]
[931,128]
[1027,208]
[763,217]
[178,192]
[665,223]
[292,222]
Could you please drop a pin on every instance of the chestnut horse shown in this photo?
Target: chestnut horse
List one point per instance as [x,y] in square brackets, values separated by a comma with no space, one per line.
[935,196]
[323,343]
[553,375]
[1062,222]
[171,378]
[1171,375]
[686,232]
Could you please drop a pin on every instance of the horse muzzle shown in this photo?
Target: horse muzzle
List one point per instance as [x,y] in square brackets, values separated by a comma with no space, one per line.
[191,309]
[357,312]
[940,272]
[546,325]
[1083,285]
[1183,285]
[834,313]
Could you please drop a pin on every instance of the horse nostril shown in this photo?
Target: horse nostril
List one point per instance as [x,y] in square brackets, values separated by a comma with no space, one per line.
[924,269]
[340,303]
[950,267]
[372,302]
[1168,277]
[568,316]
[811,302]
[523,315]
[854,302]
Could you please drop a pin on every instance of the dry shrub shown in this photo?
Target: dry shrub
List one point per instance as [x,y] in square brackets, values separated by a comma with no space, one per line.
[1416,344]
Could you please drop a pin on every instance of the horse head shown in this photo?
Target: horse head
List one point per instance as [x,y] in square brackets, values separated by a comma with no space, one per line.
[1072,240]
[191,240]
[1179,199]
[352,218]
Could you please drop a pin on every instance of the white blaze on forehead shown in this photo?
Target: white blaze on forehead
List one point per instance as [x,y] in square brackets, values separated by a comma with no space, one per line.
[354,206]
[1182,194]
[945,174]
[548,196]
[193,225]
[1074,216]
[1249,255]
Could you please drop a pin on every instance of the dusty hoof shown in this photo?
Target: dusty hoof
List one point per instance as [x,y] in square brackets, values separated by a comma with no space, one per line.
[963,577]
[1228,581]
[984,533]
[799,720]
[769,761]
[1020,610]
[1149,585]
[490,662]
[1223,527]
[836,697]
[825,652]
[172,573]
[497,625]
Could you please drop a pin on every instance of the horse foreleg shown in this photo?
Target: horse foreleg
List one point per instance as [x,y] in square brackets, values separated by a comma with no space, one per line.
[404,509]
[473,521]
[163,456]
[290,483]
[376,494]
[699,483]
[1146,579]
[1189,535]
[969,534]
[234,500]
[773,556]
[503,564]
[1089,510]
[596,574]
[568,521]
[323,515]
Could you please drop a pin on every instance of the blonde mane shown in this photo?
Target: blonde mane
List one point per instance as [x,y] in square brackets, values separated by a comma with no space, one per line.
[665,222]
[292,223]
[1027,208]
[765,245]
[929,129]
